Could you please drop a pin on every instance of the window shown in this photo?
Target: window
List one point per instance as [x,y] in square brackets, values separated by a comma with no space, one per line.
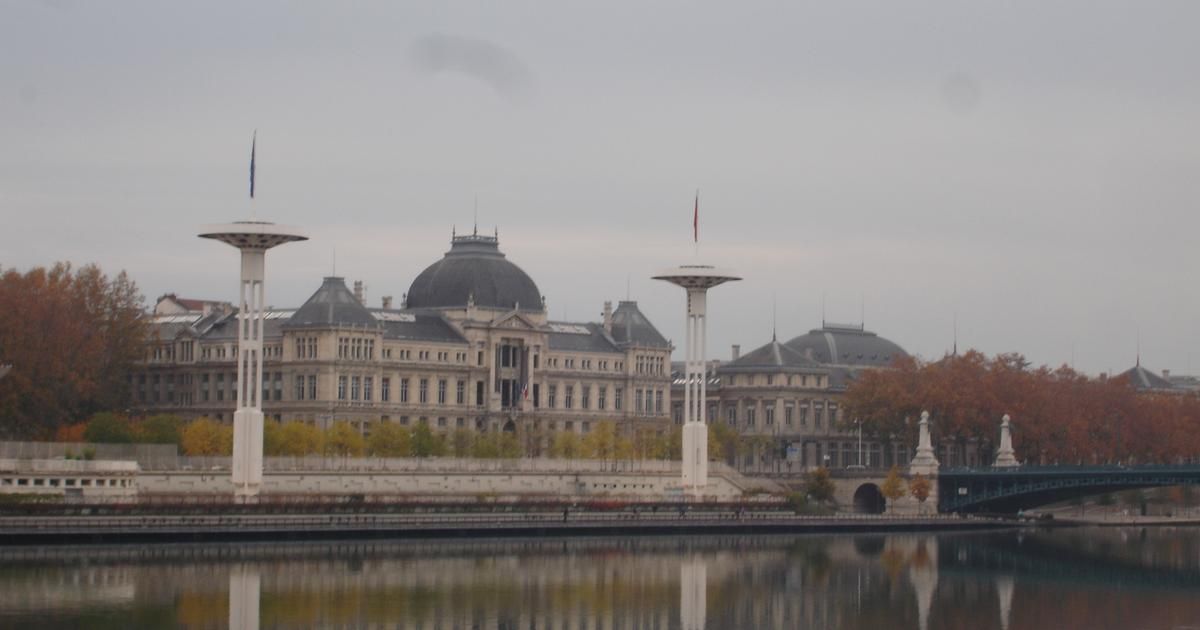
[637,401]
[818,412]
[423,393]
[537,393]
[787,415]
[618,399]
[385,389]
[460,392]
[441,422]
[658,402]
[312,387]
[403,390]
[804,415]
[341,388]
[354,384]
[750,416]
[479,393]
[585,398]
[368,385]
[299,387]
[569,397]
[601,397]
[731,415]
[552,396]
[769,414]
[441,391]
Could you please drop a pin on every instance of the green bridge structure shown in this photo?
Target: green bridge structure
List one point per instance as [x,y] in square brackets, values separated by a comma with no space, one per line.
[1014,488]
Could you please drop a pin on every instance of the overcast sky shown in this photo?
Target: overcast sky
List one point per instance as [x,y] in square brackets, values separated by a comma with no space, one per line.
[1030,168]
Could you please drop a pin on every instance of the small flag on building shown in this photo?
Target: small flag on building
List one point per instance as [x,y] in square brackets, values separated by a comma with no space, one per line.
[525,391]
[253,143]
[695,219]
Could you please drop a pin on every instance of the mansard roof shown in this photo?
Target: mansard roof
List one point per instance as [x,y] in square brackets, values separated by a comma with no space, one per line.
[631,327]
[773,356]
[332,305]
[416,325]
[1142,379]
[587,337]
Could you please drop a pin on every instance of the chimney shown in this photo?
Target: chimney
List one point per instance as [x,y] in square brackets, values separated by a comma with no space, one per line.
[387,302]
[737,351]
[1167,374]
[358,292]
[607,317]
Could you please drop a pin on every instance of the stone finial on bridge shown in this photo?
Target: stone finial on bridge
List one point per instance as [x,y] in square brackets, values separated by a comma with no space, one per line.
[924,463]
[1005,458]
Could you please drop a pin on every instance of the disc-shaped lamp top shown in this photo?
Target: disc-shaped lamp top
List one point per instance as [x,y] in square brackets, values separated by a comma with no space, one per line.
[253,234]
[697,276]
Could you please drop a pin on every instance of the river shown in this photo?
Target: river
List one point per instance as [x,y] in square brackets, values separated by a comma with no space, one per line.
[1064,578]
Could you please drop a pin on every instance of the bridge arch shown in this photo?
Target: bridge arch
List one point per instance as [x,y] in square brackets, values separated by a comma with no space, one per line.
[868,499]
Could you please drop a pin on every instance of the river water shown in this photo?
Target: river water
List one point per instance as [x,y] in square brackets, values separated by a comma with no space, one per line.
[1066,578]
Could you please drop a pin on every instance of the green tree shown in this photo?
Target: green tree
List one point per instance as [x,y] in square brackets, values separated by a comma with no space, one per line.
[460,442]
[567,445]
[344,440]
[160,429]
[723,443]
[389,440]
[108,428]
[486,446]
[425,443]
[818,485]
[893,487]
[206,437]
[300,439]
[508,446]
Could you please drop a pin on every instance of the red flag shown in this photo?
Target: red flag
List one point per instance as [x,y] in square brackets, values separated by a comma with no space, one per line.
[696,219]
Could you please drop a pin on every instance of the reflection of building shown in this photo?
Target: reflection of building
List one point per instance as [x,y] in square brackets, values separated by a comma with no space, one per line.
[470,347]
[787,398]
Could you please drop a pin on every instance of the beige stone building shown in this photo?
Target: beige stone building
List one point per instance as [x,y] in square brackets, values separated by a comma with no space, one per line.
[786,399]
[470,346]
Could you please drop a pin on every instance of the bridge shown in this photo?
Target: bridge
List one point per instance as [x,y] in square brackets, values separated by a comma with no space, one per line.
[1011,489]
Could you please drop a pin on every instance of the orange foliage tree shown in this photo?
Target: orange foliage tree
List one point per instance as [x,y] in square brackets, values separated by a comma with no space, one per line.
[1059,415]
[71,336]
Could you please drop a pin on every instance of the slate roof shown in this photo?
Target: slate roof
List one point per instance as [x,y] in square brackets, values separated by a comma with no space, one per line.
[594,341]
[474,268]
[417,326]
[332,305]
[846,345]
[773,355]
[1142,379]
[631,327]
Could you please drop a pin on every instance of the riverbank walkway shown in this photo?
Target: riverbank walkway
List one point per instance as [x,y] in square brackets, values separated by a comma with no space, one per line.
[18,530]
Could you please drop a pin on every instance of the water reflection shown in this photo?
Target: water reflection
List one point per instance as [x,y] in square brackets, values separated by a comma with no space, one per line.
[1096,578]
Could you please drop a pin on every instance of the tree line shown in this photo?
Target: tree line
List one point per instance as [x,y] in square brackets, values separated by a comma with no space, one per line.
[1059,416]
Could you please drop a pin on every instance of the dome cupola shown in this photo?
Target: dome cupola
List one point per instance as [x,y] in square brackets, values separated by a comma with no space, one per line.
[474,271]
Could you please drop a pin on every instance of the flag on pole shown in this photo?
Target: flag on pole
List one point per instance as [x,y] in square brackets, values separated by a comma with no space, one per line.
[253,142]
[525,391]
[695,219]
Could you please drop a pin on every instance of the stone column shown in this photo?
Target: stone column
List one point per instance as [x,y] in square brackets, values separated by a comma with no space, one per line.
[924,463]
[1005,458]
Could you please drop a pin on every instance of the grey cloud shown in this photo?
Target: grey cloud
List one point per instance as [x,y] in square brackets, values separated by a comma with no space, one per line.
[479,59]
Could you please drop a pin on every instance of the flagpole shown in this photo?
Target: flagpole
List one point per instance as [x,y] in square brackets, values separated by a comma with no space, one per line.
[696,225]
[253,146]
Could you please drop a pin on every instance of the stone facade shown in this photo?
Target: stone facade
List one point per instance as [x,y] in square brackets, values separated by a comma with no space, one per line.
[483,365]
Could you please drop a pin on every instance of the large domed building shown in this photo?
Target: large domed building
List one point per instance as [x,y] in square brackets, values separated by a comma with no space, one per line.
[789,395]
[470,347]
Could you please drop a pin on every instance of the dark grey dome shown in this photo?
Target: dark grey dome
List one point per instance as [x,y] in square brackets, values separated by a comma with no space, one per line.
[474,268]
[846,345]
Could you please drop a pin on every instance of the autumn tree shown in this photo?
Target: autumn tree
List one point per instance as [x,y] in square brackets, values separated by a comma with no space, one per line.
[426,443]
[818,485]
[724,443]
[272,438]
[344,440]
[71,337]
[601,442]
[893,487]
[460,442]
[298,439]
[919,487]
[389,440]
[206,437]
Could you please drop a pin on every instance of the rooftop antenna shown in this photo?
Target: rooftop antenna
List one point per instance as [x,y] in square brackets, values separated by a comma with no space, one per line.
[774,316]
[475,232]
[862,309]
[955,352]
[1139,348]
[823,294]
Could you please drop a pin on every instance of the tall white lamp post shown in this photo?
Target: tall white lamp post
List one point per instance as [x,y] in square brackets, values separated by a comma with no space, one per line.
[697,280]
[253,238]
